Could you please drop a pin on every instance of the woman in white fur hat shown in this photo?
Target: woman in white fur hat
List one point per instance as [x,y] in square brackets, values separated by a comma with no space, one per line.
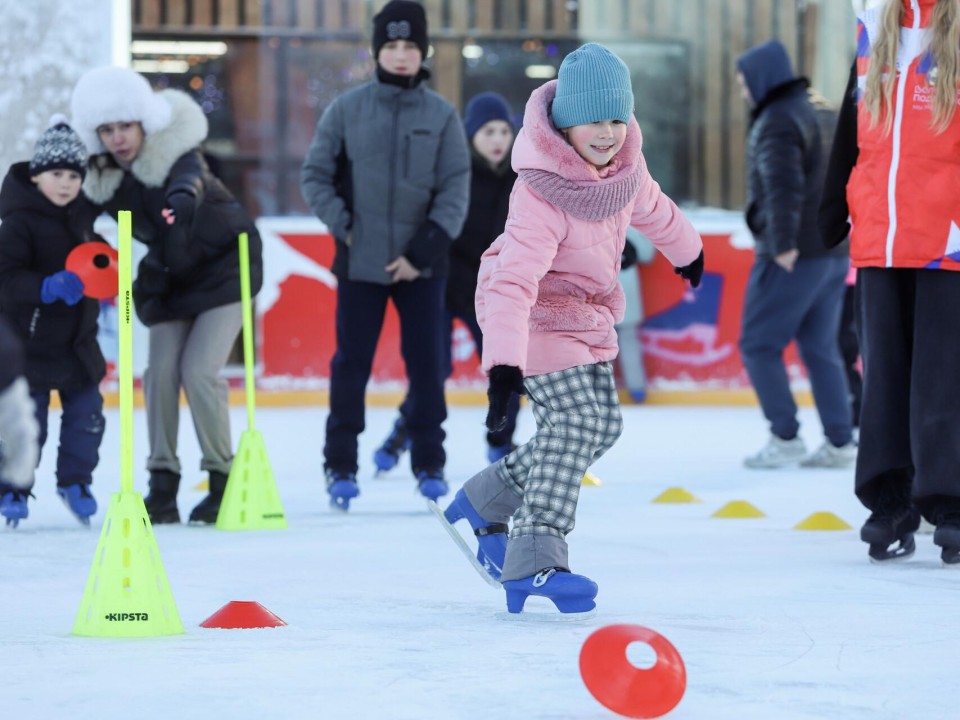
[147,159]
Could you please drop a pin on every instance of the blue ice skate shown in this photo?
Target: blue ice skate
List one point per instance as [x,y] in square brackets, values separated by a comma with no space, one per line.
[79,500]
[431,484]
[572,594]
[13,506]
[495,453]
[388,455]
[491,537]
[342,487]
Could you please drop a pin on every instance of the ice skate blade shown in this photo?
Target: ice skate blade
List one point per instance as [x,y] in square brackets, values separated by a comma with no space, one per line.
[343,505]
[546,617]
[462,544]
[880,555]
[950,557]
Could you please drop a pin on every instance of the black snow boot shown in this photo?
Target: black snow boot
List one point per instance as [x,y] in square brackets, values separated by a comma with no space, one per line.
[208,509]
[947,536]
[161,501]
[894,520]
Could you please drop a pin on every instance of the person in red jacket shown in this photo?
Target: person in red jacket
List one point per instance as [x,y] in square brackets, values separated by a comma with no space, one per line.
[905,243]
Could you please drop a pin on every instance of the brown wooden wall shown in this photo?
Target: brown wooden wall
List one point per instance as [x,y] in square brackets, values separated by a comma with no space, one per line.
[716,32]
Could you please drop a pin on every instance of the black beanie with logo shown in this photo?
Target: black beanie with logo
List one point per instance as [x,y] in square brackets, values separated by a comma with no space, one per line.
[401,20]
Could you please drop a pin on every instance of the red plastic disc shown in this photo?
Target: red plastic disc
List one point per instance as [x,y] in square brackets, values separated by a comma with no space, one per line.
[619,685]
[95,263]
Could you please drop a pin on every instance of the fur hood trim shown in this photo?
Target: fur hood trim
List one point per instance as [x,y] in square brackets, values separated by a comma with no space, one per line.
[186,130]
[115,94]
[545,160]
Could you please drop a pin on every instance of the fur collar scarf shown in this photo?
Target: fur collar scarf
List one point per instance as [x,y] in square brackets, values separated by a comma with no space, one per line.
[546,162]
[187,129]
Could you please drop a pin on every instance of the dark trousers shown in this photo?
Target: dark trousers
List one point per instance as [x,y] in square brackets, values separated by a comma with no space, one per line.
[505,435]
[910,424]
[850,351]
[805,305]
[81,430]
[360,311]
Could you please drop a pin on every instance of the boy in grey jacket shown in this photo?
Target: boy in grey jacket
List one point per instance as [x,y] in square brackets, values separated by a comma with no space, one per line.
[388,172]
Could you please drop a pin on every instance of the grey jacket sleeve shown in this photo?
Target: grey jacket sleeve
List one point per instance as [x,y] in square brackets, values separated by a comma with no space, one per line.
[450,204]
[318,174]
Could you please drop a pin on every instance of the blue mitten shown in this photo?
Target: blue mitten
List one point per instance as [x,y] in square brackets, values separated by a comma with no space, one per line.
[63,285]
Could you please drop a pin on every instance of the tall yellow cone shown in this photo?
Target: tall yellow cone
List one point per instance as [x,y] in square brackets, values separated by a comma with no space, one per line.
[127,593]
[251,500]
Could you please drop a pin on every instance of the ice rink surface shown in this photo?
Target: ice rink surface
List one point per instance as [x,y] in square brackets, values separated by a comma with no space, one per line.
[387,620]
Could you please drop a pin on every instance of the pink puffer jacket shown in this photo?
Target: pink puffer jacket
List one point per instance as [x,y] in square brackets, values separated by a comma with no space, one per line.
[547,294]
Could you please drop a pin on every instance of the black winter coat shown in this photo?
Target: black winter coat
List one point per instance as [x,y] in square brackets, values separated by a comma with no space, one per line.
[60,341]
[189,267]
[785,169]
[486,216]
[834,213]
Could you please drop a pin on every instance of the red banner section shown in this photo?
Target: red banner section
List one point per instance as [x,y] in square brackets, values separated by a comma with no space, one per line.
[688,337]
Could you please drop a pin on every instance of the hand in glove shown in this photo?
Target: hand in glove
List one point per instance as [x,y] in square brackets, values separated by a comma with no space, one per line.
[180,208]
[504,381]
[692,272]
[63,285]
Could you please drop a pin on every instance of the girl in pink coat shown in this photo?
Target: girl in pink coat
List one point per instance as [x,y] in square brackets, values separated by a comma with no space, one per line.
[547,301]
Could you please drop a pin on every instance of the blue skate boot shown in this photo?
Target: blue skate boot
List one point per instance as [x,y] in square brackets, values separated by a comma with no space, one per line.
[572,594]
[388,455]
[342,487]
[79,500]
[495,453]
[431,484]
[13,505]
[491,537]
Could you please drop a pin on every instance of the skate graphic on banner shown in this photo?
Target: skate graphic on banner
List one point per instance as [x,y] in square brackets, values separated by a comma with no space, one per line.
[691,323]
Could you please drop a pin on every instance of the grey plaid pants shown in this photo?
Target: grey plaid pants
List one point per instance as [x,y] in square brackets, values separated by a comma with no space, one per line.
[578,419]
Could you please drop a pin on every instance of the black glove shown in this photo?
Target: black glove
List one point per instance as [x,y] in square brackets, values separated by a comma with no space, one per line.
[692,272]
[180,208]
[504,381]
[629,256]
[153,278]
[428,245]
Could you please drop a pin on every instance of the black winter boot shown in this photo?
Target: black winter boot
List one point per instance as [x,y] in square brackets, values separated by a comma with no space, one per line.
[161,501]
[208,509]
[894,520]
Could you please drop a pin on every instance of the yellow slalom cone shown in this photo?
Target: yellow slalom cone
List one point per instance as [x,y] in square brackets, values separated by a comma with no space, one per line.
[590,480]
[203,485]
[822,521]
[127,593]
[676,495]
[738,509]
[250,500]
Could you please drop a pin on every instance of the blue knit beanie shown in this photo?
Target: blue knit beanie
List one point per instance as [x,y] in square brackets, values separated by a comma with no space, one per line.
[482,109]
[593,84]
